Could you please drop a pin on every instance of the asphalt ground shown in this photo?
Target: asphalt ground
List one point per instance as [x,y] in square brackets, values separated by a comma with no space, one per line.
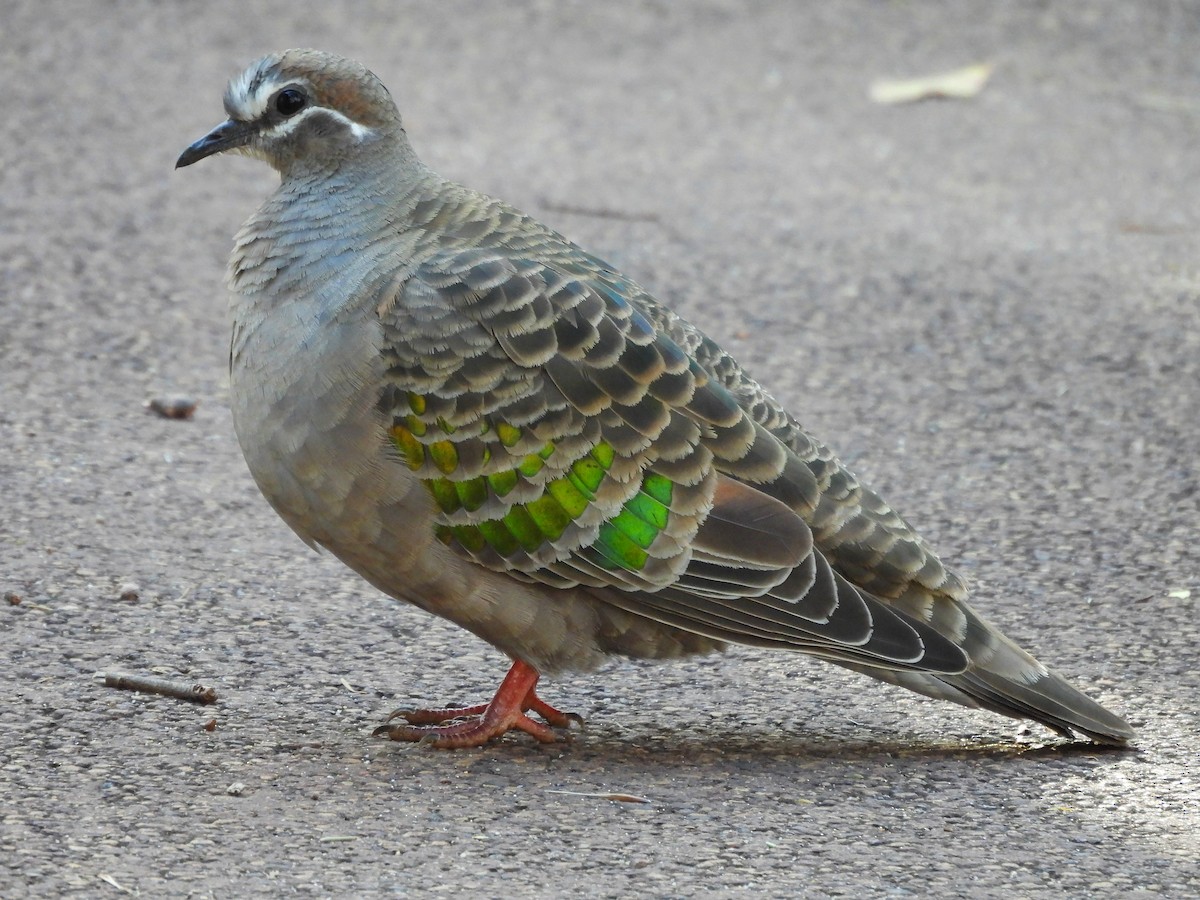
[990,306]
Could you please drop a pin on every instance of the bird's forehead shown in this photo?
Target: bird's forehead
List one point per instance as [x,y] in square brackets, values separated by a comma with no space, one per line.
[247,95]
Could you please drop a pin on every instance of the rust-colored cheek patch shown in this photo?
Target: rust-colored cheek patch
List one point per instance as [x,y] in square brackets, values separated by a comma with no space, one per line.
[347,96]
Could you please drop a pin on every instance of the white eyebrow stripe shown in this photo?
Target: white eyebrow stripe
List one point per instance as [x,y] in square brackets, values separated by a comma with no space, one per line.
[251,105]
[287,126]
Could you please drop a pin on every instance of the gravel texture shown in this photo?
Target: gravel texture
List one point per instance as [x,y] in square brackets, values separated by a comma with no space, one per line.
[990,307]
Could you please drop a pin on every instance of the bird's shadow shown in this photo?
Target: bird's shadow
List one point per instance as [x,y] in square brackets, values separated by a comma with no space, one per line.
[717,748]
[765,745]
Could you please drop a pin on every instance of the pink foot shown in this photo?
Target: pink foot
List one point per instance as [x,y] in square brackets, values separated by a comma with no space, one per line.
[505,712]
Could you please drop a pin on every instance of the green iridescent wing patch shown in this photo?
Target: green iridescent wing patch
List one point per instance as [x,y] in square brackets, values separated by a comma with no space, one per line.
[621,542]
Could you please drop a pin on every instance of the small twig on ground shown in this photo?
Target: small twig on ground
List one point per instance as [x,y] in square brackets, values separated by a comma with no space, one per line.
[180,690]
[618,798]
[108,879]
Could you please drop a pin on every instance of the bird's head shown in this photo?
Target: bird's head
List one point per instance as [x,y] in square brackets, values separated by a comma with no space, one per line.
[301,109]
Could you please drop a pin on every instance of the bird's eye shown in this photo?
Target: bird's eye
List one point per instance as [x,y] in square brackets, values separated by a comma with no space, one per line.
[289,102]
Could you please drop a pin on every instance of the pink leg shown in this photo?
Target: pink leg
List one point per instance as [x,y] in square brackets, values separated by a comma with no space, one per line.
[505,712]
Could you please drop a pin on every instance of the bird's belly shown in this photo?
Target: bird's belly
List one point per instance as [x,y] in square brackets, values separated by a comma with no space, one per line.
[305,395]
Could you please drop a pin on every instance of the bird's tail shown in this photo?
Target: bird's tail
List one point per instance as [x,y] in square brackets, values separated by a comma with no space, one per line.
[1005,679]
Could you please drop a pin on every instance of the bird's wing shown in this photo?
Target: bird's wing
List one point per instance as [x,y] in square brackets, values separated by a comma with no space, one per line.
[571,433]
[861,535]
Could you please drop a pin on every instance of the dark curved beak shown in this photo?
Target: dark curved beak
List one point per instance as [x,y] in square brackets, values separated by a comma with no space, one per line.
[229,135]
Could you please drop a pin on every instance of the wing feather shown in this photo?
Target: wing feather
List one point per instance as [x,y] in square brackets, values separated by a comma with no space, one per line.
[574,433]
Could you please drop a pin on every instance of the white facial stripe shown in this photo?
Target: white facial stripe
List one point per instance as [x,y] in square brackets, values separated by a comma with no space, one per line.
[362,132]
[250,105]
[287,126]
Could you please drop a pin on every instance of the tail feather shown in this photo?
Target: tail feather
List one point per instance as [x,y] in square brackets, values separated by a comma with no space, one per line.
[1047,699]
[1005,679]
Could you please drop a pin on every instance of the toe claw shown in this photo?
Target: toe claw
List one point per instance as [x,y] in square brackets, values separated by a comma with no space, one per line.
[473,726]
[576,720]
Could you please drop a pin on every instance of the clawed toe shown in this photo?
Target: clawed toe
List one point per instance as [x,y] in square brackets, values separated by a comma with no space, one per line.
[473,726]
[472,733]
[437,716]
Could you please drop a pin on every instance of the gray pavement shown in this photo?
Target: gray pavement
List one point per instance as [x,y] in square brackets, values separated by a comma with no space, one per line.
[990,307]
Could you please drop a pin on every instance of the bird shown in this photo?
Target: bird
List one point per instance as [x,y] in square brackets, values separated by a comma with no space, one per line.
[485,420]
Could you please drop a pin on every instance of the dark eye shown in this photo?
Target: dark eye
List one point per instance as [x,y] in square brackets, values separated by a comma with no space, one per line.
[289,102]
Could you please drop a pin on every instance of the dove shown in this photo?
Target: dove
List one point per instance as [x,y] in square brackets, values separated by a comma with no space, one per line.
[484,420]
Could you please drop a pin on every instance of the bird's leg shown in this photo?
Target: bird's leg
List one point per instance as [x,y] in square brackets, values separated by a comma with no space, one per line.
[506,711]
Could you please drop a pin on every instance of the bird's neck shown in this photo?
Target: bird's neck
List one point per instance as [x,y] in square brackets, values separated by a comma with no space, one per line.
[319,223]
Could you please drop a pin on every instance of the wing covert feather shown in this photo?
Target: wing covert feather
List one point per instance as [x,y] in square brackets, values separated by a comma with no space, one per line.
[574,432]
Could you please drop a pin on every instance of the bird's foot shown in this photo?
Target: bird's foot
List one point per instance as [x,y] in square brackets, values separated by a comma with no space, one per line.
[506,711]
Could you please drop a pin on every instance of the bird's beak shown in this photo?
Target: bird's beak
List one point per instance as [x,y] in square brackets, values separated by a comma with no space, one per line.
[229,135]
